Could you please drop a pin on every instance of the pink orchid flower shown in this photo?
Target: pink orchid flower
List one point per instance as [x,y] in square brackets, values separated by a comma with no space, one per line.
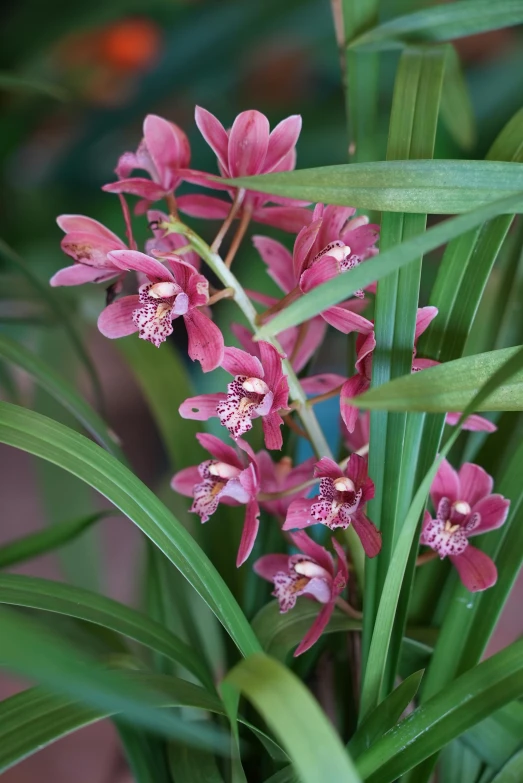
[248,148]
[165,243]
[224,479]
[282,477]
[312,574]
[297,346]
[163,151]
[259,388]
[340,503]
[88,242]
[174,289]
[312,263]
[465,507]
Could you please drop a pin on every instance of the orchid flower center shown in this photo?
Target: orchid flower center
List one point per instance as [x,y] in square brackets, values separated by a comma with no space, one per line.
[246,398]
[344,257]
[344,484]
[223,471]
[338,500]
[255,386]
[310,569]
[461,507]
[163,290]
[159,304]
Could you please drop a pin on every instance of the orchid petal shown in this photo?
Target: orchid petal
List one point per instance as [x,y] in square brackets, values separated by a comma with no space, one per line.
[87,225]
[346,321]
[90,249]
[476,570]
[250,531]
[353,387]
[278,260]
[473,423]
[493,511]
[333,221]
[424,316]
[219,450]
[303,245]
[238,362]
[78,274]
[287,218]
[325,268]
[271,362]
[137,186]
[327,468]
[133,259]
[342,566]
[446,484]
[117,318]
[269,565]
[368,534]
[185,480]
[314,331]
[316,629]
[201,206]
[205,340]
[282,141]
[214,134]
[313,550]
[475,483]
[248,143]
[271,430]
[201,407]
[299,514]
[168,147]
[323,383]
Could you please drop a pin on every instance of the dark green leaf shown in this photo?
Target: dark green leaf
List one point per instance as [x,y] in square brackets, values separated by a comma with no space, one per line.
[189,765]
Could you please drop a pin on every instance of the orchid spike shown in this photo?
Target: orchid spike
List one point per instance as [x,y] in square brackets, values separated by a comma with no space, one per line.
[259,388]
[174,289]
[281,477]
[163,151]
[343,494]
[230,477]
[88,242]
[313,574]
[465,507]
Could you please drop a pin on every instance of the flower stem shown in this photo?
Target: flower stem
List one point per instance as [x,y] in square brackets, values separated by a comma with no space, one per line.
[238,236]
[225,293]
[426,557]
[235,206]
[325,395]
[171,203]
[348,609]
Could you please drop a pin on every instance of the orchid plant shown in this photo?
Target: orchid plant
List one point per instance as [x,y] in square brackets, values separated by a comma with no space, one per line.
[346,426]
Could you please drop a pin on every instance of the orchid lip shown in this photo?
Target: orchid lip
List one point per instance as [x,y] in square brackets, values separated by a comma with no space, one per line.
[223,470]
[255,385]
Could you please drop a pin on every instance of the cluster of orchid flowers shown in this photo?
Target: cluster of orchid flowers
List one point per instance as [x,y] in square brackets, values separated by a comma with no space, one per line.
[170,284]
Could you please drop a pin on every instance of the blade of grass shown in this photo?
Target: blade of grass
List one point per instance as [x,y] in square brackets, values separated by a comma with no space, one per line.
[456,106]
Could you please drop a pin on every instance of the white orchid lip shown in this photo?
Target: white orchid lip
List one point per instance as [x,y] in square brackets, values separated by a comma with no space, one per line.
[344,484]
[163,290]
[462,507]
[255,385]
[309,569]
[223,470]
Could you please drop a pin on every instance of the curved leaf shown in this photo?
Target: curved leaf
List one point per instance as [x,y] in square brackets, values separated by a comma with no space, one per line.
[296,718]
[76,602]
[58,444]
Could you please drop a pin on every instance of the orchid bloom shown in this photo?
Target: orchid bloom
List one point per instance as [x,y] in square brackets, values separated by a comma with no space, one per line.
[248,148]
[340,503]
[259,388]
[163,151]
[465,507]
[174,289]
[165,242]
[281,477]
[88,242]
[312,574]
[312,263]
[224,479]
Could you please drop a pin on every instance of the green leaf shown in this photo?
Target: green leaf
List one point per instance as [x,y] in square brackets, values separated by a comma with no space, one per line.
[445,22]
[55,305]
[144,753]
[458,763]
[76,602]
[436,187]
[31,650]
[61,390]
[512,771]
[385,716]
[51,441]
[279,633]
[189,765]
[295,717]
[47,540]
[341,287]
[456,106]
[499,736]
[448,387]
[462,704]
[13,82]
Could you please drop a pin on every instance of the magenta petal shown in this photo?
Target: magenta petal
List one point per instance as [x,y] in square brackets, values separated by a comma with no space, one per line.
[346,321]
[351,388]
[368,534]
[493,510]
[316,629]
[272,431]
[269,565]
[475,483]
[303,245]
[282,140]
[320,384]
[314,335]
[168,147]
[202,206]
[77,274]
[133,259]
[445,484]
[214,134]
[476,570]
[271,363]
[201,407]
[185,480]
[299,514]
[248,143]
[473,423]
[312,549]
[326,467]
[278,260]
[219,450]
[205,340]
[117,319]
[424,317]
[86,225]
[322,270]
[137,186]
[290,219]
[238,362]
[342,568]
[250,531]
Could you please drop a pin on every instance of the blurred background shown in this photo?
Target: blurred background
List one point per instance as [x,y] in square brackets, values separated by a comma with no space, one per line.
[76,80]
